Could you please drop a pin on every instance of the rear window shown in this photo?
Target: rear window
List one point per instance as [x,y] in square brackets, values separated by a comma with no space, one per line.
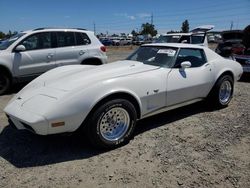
[82,39]
[232,35]
[168,39]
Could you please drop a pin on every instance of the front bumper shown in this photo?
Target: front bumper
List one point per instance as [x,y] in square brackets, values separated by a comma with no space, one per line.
[23,119]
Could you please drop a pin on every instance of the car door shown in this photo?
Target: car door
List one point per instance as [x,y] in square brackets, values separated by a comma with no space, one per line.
[70,49]
[185,84]
[38,56]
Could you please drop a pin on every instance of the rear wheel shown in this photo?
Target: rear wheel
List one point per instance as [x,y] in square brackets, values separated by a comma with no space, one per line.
[222,92]
[112,124]
[4,83]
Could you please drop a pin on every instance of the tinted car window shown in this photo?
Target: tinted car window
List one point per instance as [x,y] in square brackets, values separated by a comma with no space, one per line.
[82,39]
[65,39]
[168,38]
[195,56]
[197,39]
[185,38]
[37,41]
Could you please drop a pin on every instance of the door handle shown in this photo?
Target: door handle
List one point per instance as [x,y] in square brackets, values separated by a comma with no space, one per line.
[81,52]
[49,56]
[156,90]
[207,64]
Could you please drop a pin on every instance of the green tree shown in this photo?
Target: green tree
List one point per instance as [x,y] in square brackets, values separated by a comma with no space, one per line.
[185,27]
[148,28]
[134,33]
[2,35]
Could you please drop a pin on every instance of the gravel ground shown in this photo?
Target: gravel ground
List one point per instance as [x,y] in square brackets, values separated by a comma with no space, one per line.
[193,146]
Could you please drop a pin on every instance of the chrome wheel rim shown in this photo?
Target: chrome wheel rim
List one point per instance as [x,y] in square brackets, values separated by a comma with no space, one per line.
[114,124]
[225,92]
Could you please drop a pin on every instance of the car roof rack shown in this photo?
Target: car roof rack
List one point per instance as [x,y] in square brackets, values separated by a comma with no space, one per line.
[42,28]
[79,29]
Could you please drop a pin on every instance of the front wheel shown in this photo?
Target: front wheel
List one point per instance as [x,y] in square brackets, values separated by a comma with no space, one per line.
[4,83]
[112,124]
[222,92]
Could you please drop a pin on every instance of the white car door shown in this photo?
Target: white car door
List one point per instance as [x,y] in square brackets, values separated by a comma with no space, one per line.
[38,56]
[185,84]
[71,48]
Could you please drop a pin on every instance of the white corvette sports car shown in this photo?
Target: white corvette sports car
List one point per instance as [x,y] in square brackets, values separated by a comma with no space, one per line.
[107,100]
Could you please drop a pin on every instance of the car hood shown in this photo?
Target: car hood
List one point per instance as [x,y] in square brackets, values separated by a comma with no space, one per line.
[74,77]
[233,35]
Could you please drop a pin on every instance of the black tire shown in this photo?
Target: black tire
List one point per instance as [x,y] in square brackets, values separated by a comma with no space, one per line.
[95,124]
[91,62]
[5,83]
[214,97]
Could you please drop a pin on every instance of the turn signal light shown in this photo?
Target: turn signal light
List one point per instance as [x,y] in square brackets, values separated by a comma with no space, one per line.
[57,124]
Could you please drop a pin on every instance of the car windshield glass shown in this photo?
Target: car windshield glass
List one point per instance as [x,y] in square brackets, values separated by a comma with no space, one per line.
[155,55]
[6,43]
[168,39]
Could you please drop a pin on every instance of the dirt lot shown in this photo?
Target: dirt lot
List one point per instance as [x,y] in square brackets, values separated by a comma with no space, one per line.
[193,146]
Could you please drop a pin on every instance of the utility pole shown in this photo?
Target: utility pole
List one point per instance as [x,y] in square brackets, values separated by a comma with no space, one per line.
[94,28]
[232,25]
[152,19]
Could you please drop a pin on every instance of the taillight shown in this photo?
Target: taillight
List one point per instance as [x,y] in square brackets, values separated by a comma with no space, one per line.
[103,48]
[238,50]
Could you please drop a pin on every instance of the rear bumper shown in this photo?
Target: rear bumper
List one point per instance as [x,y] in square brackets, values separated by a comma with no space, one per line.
[244,61]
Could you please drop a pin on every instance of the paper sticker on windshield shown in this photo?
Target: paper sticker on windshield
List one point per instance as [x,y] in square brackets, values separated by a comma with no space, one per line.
[169,52]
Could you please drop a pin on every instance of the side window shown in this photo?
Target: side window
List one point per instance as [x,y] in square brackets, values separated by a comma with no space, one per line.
[195,56]
[65,39]
[37,41]
[185,38]
[82,39]
[198,39]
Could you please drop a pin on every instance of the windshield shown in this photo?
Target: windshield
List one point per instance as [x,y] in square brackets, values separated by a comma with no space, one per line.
[155,55]
[6,43]
[168,39]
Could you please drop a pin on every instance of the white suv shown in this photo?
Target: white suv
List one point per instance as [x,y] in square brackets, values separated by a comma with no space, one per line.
[31,53]
[197,36]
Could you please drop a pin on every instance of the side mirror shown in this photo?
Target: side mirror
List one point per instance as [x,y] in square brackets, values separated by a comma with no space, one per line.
[20,48]
[185,64]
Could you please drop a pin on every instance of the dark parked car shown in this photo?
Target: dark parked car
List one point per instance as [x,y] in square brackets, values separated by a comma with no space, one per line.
[106,42]
[233,46]
[231,43]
